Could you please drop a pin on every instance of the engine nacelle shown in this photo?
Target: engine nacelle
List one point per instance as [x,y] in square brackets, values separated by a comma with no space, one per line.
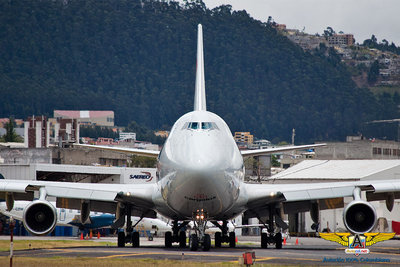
[359,217]
[40,217]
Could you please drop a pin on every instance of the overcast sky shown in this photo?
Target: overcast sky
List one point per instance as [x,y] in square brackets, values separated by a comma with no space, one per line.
[359,17]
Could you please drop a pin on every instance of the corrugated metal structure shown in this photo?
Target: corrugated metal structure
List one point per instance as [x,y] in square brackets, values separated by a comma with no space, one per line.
[310,171]
[339,170]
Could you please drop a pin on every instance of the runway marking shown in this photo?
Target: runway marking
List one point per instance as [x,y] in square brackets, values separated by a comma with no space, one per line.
[170,253]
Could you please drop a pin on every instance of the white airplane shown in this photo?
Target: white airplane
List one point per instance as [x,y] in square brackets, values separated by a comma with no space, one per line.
[200,178]
[70,217]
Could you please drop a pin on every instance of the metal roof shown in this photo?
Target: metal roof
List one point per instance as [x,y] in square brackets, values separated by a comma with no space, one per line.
[341,170]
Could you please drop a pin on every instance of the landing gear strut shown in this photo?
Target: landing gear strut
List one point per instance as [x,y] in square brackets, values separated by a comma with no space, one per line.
[223,237]
[130,236]
[271,237]
[199,237]
[178,235]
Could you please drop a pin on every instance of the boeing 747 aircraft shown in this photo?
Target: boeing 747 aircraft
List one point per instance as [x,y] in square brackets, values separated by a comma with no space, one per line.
[200,178]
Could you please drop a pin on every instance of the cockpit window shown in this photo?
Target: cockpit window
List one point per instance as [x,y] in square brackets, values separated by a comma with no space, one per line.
[206,125]
[194,125]
[201,125]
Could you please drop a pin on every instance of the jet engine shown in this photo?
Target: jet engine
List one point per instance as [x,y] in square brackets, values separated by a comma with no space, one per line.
[40,217]
[359,217]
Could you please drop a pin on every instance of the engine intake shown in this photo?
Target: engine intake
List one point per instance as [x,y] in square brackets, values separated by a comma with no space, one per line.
[359,217]
[40,217]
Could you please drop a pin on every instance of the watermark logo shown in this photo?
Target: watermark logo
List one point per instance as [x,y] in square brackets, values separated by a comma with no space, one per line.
[356,244]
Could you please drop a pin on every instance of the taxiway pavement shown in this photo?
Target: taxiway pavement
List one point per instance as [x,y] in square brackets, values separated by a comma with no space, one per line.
[308,251]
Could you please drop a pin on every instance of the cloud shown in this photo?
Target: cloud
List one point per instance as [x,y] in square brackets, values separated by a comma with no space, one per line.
[360,17]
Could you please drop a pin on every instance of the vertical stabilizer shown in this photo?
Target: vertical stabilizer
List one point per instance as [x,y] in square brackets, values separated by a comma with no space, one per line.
[200,93]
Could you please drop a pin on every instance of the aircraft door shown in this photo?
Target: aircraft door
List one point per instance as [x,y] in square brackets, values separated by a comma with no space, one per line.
[63,214]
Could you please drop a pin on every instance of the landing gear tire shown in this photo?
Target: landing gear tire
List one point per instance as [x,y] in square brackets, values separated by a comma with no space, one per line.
[278,240]
[182,239]
[135,240]
[206,242]
[264,240]
[232,239]
[218,239]
[193,242]
[168,239]
[121,239]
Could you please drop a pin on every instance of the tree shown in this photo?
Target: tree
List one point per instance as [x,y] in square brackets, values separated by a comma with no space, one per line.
[328,32]
[373,73]
[10,135]
[142,162]
[274,161]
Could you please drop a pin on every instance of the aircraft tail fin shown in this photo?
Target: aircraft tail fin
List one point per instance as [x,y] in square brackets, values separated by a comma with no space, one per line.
[200,91]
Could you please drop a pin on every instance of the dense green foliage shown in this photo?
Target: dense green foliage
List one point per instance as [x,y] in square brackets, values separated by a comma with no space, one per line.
[383,46]
[138,59]
[10,135]
[97,131]
[144,134]
[143,162]
[373,72]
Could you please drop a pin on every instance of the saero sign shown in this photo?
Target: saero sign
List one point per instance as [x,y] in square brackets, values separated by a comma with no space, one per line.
[143,176]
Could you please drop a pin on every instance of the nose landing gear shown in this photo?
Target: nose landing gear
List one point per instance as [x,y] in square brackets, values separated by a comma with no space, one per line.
[199,237]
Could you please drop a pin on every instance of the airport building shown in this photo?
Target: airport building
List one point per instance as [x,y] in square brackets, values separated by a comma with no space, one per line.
[357,147]
[341,39]
[317,171]
[243,138]
[87,117]
[40,132]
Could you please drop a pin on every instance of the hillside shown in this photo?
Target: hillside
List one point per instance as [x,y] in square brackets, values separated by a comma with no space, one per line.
[138,59]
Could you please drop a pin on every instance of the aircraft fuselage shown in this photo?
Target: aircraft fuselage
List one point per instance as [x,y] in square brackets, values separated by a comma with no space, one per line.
[199,168]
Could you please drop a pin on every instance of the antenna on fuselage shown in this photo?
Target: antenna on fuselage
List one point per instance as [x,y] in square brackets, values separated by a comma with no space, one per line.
[200,91]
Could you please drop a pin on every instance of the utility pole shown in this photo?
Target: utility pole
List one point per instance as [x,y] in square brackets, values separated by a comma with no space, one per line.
[293,135]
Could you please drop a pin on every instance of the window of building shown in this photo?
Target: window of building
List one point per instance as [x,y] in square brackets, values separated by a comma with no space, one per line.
[386,151]
[377,151]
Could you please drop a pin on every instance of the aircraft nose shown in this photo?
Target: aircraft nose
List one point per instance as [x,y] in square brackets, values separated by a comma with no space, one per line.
[204,153]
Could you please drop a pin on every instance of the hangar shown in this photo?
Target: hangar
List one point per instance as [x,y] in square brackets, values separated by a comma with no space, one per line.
[77,173]
[310,171]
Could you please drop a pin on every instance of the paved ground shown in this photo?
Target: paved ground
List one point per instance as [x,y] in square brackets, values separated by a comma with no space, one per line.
[309,251]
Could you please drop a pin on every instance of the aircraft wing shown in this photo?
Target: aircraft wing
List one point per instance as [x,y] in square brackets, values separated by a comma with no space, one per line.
[299,197]
[266,151]
[101,197]
[136,151]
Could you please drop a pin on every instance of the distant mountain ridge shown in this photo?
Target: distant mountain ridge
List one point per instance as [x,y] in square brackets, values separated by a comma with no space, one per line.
[138,59]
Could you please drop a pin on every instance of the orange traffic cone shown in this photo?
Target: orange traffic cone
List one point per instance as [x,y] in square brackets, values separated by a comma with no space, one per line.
[98,235]
[91,234]
[297,241]
[284,240]
[236,240]
[81,236]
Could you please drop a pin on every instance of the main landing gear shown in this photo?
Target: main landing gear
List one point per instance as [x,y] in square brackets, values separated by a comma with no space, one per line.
[130,236]
[223,237]
[178,234]
[271,237]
